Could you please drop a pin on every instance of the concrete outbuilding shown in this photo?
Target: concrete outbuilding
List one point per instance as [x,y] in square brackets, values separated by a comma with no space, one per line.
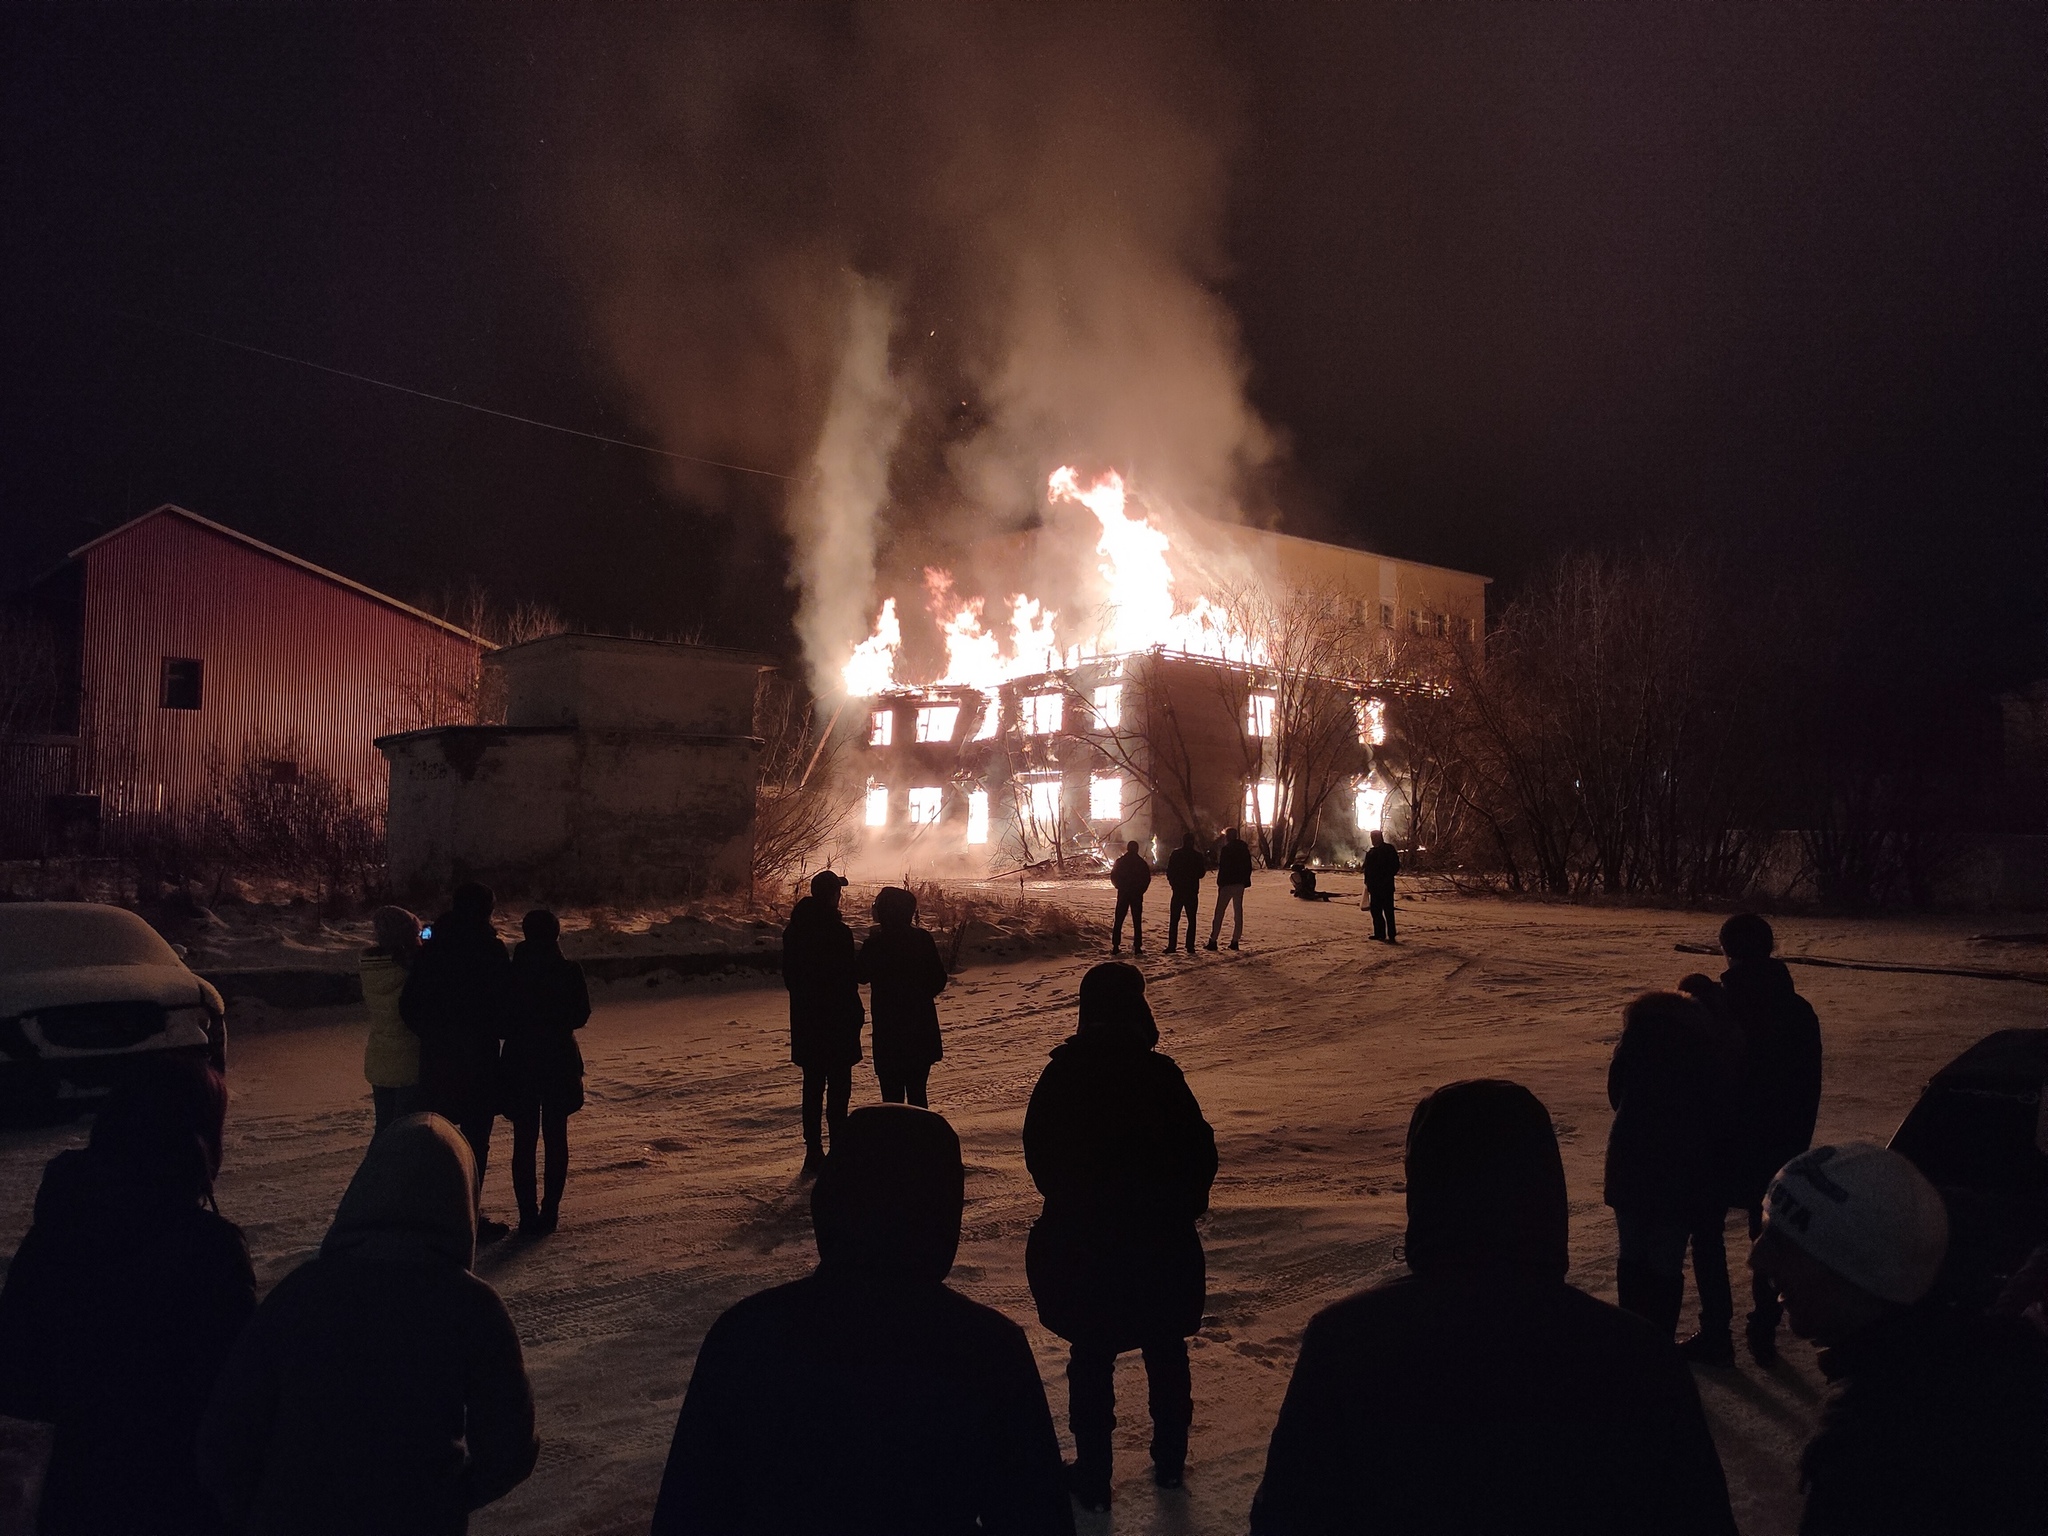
[626,769]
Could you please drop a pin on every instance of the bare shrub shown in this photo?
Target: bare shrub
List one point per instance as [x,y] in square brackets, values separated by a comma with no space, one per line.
[805,799]
[274,815]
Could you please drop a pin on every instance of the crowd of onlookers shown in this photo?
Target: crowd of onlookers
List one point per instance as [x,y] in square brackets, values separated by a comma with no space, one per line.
[379,1388]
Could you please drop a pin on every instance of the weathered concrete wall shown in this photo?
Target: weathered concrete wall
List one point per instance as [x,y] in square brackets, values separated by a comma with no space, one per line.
[551,813]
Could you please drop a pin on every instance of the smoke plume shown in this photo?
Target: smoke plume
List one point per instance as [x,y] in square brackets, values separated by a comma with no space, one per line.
[1040,190]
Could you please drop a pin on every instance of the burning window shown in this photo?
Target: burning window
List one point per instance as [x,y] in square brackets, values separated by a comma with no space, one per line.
[935,722]
[881,728]
[1370,805]
[1106,797]
[977,816]
[924,806]
[991,717]
[1372,722]
[878,805]
[1042,713]
[1258,714]
[1109,706]
[182,677]
[1041,799]
[1261,802]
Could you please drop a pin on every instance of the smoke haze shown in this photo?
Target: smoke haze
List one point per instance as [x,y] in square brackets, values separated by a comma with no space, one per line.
[921,253]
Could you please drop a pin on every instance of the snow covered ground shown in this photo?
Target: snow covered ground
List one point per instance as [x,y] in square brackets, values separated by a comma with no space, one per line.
[1307,1049]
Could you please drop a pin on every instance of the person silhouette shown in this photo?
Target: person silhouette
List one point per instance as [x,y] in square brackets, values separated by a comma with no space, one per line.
[1131,876]
[121,1306]
[822,972]
[1118,1147]
[380,1386]
[1382,863]
[1185,868]
[900,963]
[1233,879]
[868,1398]
[543,1067]
[1481,1392]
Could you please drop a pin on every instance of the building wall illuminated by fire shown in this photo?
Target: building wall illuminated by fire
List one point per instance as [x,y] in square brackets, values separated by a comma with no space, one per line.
[1257,682]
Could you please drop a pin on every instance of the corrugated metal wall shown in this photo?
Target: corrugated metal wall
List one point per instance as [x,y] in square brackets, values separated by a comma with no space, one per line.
[295,667]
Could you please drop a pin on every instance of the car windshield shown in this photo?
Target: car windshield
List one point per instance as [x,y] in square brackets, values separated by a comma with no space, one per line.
[56,936]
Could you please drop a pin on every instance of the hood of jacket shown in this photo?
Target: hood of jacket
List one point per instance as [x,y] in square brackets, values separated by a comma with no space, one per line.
[886,1208]
[1758,982]
[1486,1190]
[93,1192]
[414,1197]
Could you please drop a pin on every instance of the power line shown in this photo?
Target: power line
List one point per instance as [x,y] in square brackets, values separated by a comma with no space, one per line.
[484,410]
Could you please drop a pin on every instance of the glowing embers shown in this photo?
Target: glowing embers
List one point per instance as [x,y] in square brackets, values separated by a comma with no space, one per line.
[1261,802]
[882,728]
[1108,706]
[1258,715]
[977,816]
[1106,797]
[1369,804]
[937,722]
[1372,722]
[925,805]
[877,804]
[1042,713]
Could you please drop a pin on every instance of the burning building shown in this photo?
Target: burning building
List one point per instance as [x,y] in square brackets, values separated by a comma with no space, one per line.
[1156,674]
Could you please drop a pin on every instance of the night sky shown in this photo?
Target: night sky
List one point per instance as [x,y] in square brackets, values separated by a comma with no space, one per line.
[1512,279]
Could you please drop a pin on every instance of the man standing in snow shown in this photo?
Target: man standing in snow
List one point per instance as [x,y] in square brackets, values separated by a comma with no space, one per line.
[1382,863]
[821,969]
[1233,879]
[1939,1419]
[1185,869]
[1482,1393]
[1132,877]
[868,1398]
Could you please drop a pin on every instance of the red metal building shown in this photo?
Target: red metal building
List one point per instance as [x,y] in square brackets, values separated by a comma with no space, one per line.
[185,653]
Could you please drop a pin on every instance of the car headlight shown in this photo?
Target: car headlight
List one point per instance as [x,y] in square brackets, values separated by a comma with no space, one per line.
[187,1026]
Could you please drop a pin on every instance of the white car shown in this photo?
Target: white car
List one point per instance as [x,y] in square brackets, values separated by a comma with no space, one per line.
[86,991]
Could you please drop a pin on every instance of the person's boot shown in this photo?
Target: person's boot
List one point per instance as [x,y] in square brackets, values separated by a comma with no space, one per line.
[1088,1483]
[1762,1339]
[814,1163]
[1169,1458]
[1210,946]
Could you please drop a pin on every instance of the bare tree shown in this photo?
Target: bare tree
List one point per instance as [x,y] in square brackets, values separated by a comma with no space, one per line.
[437,683]
[805,798]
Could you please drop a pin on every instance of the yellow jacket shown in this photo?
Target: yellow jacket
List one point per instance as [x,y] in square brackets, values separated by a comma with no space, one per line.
[391,1056]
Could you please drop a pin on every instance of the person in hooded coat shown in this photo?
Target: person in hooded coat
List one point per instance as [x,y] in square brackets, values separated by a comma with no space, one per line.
[868,1399]
[821,969]
[1185,869]
[1118,1147]
[456,999]
[391,1052]
[379,1389]
[1671,1084]
[542,1066]
[1777,1090]
[901,965]
[1480,1392]
[121,1305]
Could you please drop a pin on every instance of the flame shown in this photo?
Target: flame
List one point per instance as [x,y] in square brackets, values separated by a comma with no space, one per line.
[1142,611]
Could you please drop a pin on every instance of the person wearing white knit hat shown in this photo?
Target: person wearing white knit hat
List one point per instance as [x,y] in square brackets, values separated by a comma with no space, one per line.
[1939,1418]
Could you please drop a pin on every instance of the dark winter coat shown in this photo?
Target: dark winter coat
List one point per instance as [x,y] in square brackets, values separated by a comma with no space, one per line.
[1482,1393]
[1778,1091]
[1234,863]
[822,972]
[1117,1145]
[542,1066]
[1938,1426]
[1672,1088]
[1131,875]
[1382,863]
[379,1391]
[901,965]
[828,1406]
[1185,868]
[120,1306]
[1426,1406]
[457,999]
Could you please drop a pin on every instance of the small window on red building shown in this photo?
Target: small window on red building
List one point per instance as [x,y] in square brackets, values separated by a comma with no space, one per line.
[283,772]
[181,683]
